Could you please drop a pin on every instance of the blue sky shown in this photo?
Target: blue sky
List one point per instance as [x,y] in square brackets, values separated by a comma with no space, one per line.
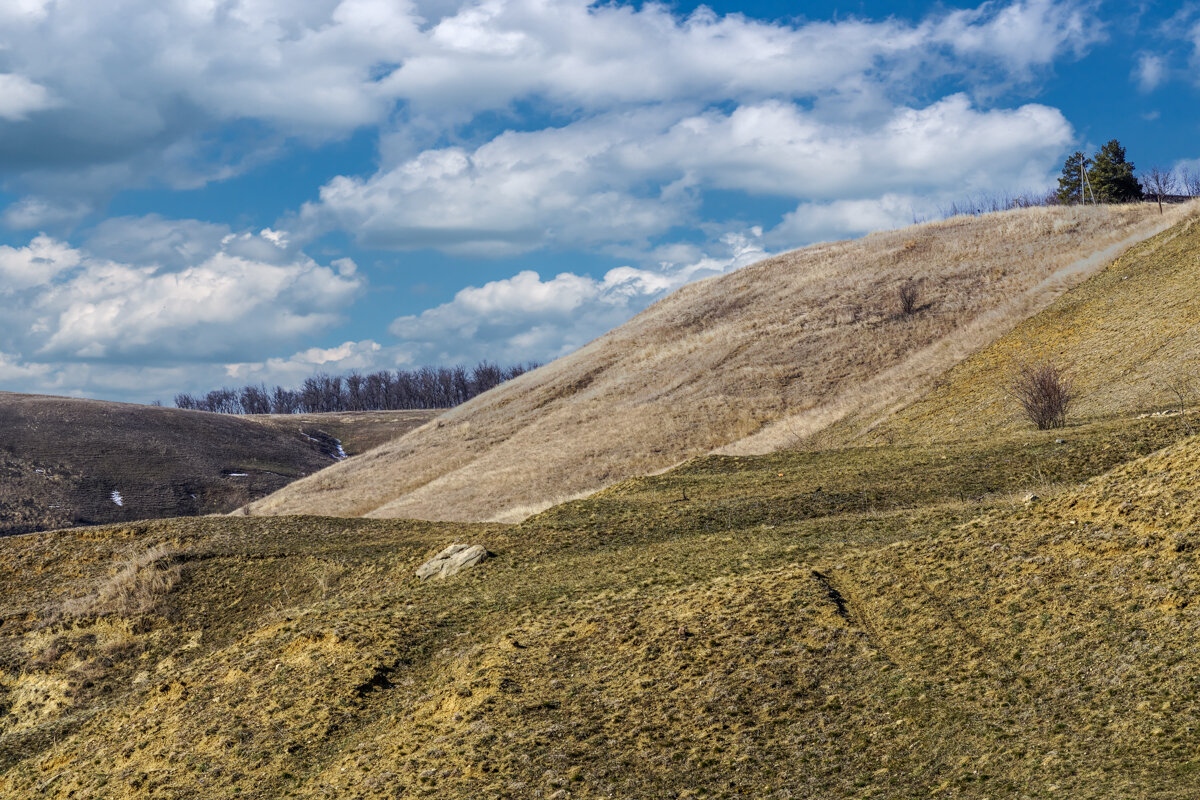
[196,193]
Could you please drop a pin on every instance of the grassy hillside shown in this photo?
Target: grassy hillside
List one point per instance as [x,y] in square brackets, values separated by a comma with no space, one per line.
[866,623]
[749,362]
[67,462]
[1130,336]
[358,431]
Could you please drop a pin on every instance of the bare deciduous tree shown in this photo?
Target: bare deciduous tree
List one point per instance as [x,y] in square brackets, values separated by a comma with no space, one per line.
[1189,177]
[1160,183]
[1045,392]
[427,387]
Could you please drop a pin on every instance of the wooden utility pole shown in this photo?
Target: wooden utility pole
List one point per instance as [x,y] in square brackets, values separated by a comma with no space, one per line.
[1084,183]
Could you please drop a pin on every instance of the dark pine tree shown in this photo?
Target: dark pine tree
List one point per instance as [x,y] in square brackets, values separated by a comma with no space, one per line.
[1112,176]
[1070,184]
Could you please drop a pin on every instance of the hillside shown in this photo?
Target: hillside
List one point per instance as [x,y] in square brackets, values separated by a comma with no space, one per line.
[881,622]
[357,431]
[802,340]
[70,462]
[1130,337]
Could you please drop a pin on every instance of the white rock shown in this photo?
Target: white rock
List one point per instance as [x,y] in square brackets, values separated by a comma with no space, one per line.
[451,561]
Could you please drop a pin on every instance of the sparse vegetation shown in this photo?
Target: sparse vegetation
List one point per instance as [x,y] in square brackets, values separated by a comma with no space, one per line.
[1045,392]
[769,355]
[800,620]
[1129,333]
[140,585]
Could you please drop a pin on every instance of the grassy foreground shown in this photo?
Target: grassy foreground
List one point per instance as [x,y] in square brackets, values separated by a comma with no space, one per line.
[867,623]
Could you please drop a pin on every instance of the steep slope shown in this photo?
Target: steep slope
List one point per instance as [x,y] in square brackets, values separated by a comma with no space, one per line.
[68,462]
[1130,337]
[873,623]
[808,337]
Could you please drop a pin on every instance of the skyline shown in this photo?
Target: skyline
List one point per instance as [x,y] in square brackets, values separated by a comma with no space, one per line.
[202,194]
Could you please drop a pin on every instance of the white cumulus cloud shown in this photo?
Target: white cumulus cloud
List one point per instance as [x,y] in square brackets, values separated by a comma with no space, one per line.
[208,297]
[1150,71]
[630,176]
[97,97]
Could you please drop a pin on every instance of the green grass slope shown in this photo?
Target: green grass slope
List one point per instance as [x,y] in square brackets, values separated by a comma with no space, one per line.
[862,623]
[61,459]
[1130,337]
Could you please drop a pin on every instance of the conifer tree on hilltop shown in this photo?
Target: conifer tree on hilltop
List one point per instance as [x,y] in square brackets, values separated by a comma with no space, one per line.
[1112,176]
[1070,185]
[1109,175]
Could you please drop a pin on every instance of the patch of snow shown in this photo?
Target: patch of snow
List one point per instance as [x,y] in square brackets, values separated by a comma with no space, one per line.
[310,438]
[40,471]
[116,498]
[238,474]
[341,454]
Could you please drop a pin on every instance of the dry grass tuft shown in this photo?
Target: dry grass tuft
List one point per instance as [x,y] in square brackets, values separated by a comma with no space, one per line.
[761,359]
[140,586]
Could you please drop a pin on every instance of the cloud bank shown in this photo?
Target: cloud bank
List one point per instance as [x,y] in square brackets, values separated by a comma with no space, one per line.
[504,129]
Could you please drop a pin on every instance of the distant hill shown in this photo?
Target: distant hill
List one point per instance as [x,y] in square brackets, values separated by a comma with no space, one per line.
[69,462]
[1130,337]
[764,358]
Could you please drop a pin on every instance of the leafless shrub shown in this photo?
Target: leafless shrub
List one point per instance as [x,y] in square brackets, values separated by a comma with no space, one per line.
[1190,178]
[1159,183]
[1183,392]
[139,586]
[910,297]
[975,205]
[1045,392]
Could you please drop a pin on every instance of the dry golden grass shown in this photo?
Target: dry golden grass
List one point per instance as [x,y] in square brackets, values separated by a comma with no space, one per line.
[872,623]
[750,362]
[1129,337]
[358,431]
[139,586]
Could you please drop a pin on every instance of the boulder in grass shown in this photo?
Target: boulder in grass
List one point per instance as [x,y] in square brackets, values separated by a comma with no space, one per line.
[452,560]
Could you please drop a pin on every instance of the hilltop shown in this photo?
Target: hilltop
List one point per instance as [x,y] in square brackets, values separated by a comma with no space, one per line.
[763,358]
[66,461]
[877,622]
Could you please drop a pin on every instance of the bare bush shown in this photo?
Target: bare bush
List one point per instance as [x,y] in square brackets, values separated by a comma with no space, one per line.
[1189,177]
[910,297]
[139,586]
[1045,392]
[1159,183]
